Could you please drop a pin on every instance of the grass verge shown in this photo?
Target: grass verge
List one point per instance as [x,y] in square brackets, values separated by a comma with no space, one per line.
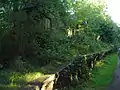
[102,75]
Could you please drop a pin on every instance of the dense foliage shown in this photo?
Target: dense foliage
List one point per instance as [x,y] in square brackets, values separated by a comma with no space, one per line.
[41,31]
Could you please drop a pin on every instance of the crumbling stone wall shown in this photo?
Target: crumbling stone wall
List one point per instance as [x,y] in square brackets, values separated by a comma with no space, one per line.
[77,70]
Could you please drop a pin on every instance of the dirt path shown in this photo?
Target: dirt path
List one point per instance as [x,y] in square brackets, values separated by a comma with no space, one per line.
[115,84]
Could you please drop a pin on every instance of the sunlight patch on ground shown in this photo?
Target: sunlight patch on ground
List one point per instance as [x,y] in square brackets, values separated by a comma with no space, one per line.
[28,77]
[32,76]
[99,64]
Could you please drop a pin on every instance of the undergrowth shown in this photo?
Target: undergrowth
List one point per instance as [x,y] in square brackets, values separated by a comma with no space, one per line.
[101,76]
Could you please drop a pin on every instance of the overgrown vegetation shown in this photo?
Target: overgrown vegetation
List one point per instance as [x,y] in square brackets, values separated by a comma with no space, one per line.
[101,75]
[45,33]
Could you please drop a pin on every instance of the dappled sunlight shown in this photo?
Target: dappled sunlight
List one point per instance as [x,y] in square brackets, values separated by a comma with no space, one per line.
[16,80]
[32,76]
[22,78]
[69,32]
[99,63]
[48,42]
